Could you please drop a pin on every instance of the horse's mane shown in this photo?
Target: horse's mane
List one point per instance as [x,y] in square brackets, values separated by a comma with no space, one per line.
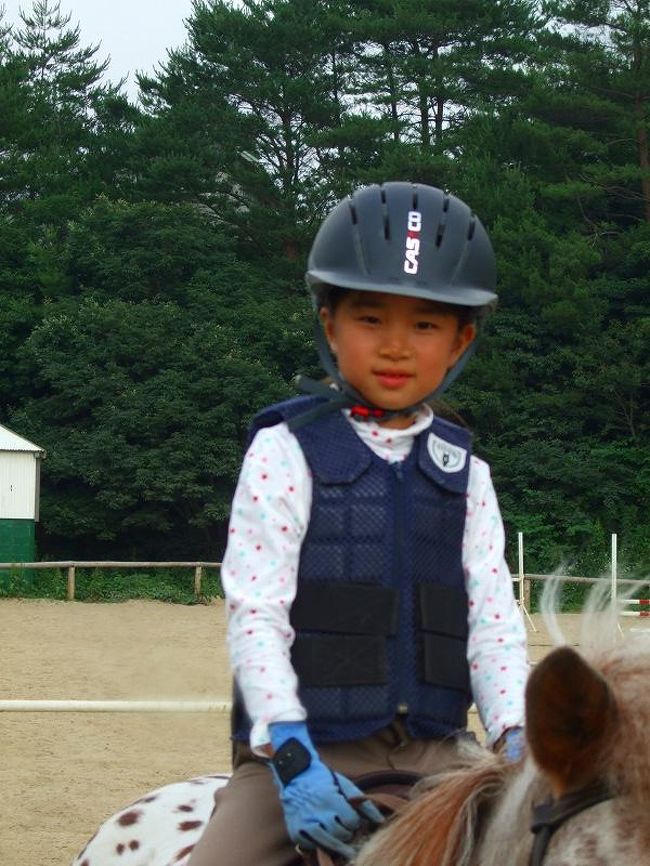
[437,830]
[442,827]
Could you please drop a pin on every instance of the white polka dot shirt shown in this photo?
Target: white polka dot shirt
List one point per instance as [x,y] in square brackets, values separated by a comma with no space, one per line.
[269,518]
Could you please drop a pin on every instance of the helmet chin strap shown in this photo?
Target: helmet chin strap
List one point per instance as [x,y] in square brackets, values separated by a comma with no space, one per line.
[344,396]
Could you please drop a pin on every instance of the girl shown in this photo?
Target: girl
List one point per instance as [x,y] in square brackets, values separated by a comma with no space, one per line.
[369,600]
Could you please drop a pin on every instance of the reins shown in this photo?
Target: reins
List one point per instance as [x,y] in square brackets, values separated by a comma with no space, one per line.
[388,790]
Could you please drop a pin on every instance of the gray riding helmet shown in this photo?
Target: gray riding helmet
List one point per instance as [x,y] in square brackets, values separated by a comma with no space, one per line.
[405,239]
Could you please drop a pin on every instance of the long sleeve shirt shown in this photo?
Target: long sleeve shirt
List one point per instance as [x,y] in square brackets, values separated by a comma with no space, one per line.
[269,520]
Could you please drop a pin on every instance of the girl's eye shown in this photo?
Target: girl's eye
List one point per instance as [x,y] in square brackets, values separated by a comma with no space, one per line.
[369,319]
[426,326]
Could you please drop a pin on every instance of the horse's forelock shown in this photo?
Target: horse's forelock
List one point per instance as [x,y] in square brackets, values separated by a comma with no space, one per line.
[598,617]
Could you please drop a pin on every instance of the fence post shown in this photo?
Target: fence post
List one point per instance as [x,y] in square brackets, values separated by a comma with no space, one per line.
[524,583]
[614,567]
[198,573]
[71,572]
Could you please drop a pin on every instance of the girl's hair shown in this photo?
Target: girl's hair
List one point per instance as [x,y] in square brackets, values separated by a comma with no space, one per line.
[331,296]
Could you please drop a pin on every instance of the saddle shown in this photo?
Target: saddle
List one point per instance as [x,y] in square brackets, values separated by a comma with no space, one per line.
[389,790]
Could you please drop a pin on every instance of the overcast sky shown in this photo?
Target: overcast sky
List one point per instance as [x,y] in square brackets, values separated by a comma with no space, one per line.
[135,33]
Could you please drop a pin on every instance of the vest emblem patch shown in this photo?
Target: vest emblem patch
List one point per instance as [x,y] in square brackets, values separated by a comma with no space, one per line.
[447,457]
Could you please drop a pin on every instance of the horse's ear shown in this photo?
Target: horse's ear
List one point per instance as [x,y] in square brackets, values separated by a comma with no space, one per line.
[570,714]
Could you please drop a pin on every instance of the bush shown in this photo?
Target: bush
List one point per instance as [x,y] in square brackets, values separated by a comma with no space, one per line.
[102,584]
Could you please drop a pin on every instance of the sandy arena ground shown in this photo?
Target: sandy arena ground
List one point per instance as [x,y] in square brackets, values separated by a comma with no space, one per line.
[62,774]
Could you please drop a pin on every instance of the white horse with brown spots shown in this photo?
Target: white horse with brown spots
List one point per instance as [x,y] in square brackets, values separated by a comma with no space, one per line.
[159,829]
[584,787]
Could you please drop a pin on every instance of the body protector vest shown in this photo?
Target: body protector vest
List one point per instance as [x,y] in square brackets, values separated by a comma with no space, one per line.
[381,609]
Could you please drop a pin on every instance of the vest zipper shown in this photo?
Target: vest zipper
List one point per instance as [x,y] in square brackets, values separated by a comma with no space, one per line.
[398,558]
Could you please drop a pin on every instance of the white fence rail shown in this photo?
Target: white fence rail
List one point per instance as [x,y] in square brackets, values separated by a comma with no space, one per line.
[170,706]
[521,578]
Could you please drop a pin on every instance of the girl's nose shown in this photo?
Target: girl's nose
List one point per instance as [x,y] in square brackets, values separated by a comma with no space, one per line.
[396,343]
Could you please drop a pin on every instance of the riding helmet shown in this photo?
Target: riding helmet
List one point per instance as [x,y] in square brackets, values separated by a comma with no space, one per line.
[405,239]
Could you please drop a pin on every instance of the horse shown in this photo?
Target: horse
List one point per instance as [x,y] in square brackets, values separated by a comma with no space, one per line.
[159,829]
[579,797]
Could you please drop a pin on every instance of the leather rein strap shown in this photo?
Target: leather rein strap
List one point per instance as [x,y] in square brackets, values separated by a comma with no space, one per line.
[550,815]
[547,817]
[389,804]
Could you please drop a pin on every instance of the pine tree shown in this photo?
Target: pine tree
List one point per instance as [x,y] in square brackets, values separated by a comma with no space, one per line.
[599,105]
[259,84]
[52,163]
[429,65]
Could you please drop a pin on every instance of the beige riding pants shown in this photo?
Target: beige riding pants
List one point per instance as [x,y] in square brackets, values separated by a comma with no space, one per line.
[247,827]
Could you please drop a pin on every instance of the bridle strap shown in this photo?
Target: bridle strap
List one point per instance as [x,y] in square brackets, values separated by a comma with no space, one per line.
[550,815]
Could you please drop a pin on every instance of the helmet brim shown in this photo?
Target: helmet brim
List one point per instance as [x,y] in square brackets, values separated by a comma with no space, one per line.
[458,295]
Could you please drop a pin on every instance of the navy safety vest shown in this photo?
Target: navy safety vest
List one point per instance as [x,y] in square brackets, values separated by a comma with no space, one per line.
[381,609]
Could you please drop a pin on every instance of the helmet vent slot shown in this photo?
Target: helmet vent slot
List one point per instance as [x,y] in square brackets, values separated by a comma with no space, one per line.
[414,206]
[384,214]
[442,225]
[353,214]
[472,228]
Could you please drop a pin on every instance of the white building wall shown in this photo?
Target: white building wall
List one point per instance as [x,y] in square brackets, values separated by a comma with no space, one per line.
[18,485]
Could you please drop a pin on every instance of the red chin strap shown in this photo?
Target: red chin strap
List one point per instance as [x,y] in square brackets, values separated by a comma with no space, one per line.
[365,413]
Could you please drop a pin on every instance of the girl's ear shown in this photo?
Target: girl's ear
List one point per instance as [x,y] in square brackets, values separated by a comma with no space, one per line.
[327,321]
[464,338]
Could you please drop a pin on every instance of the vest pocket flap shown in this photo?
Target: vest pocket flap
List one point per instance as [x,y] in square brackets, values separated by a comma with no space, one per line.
[443,610]
[345,608]
[445,662]
[340,661]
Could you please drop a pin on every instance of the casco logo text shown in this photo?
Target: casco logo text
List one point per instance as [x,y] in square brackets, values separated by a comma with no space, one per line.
[413,229]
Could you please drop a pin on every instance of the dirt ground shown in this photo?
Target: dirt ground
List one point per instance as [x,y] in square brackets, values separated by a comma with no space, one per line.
[62,774]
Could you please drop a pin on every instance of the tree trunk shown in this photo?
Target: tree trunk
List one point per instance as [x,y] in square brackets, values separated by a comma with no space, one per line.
[439,117]
[423,103]
[392,89]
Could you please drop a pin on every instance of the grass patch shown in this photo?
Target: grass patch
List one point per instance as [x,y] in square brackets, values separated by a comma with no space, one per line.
[174,585]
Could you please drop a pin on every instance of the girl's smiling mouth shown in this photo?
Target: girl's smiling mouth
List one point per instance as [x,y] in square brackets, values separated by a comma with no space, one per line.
[392,378]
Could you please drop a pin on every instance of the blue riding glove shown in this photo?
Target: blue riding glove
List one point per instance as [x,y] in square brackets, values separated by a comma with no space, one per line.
[514,744]
[315,799]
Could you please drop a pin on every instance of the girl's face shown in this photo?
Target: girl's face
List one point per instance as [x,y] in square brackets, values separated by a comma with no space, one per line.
[394,350]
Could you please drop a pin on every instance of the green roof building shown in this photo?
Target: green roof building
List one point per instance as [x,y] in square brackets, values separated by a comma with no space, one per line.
[20,463]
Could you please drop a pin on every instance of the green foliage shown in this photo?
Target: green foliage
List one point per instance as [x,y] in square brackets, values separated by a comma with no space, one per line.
[152,257]
[102,585]
[60,123]
[143,411]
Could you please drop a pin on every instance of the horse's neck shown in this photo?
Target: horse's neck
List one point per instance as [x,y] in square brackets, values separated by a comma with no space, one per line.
[505,837]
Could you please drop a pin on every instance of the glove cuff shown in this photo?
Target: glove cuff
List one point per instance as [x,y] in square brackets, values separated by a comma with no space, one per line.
[513,744]
[280,732]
